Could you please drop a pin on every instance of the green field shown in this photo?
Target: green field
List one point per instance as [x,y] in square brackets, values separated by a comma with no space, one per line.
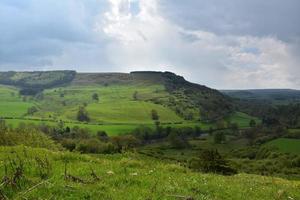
[111,129]
[294,130]
[116,112]
[286,145]
[130,176]
[242,119]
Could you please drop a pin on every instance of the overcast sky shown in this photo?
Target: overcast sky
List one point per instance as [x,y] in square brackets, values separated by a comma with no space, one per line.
[222,44]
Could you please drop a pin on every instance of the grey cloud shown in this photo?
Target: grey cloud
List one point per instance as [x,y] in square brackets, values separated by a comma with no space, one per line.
[256,17]
[33,32]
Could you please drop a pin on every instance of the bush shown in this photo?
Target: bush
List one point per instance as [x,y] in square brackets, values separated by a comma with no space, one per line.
[32,110]
[69,144]
[82,115]
[211,161]
[27,136]
[94,146]
[95,97]
[177,140]
[219,137]
[154,115]
[125,142]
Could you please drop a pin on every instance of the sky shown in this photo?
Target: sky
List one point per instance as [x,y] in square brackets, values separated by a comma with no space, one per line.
[232,44]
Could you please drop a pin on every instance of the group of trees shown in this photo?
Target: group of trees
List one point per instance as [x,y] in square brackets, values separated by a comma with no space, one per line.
[271,115]
[32,83]
[82,115]
[27,135]
[61,136]
[177,137]
[211,161]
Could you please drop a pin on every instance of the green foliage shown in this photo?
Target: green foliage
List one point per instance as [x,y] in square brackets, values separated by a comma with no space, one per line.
[212,161]
[154,115]
[286,145]
[252,123]
[135,96]
[94,146]
[127,176]
[219,137]
[26,135]
[95,97]
[82,115]
[125,142]
[32,110]
[178,140]
[34,82]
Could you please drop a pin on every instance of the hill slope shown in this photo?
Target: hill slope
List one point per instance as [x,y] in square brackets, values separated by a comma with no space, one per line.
[123,98]
[61,175]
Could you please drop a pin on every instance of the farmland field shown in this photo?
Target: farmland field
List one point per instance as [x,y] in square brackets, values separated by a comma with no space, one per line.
[286,145]
[242,119]
[117,111]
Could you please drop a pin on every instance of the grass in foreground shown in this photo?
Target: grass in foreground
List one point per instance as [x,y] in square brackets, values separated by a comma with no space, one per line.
[129,176]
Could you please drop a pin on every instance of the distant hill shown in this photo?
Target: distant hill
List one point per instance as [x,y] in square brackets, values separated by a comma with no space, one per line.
[188,100]
[276,96]
[32,83]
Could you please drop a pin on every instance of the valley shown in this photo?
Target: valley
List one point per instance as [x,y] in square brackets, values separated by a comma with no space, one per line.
[74,135]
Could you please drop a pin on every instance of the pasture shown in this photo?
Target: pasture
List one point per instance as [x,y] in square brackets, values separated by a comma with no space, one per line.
[286,145]
[118,110]
[242,119]
[63,175]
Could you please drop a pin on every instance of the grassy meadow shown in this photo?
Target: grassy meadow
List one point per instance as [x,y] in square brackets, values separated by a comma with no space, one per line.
[116,112]
[286,145]
[181,162]
[74,176]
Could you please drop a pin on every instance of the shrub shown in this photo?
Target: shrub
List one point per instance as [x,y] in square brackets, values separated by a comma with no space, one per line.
[125,142]
[32,110]
[91,146]
[177,140]
[154,115]
[219,137]
[82,115]
[69,144]
[211,161]
[95,97]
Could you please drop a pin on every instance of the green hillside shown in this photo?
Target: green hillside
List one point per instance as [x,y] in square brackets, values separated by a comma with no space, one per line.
[286,145]
[124,101]
[149,135]
[45,174]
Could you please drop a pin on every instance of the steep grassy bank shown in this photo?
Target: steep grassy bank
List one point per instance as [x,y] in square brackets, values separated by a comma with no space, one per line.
[56,175]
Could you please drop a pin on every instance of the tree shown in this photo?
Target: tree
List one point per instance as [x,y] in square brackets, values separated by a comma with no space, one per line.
[177,141]
[252,123]
[82,115]
[212,161]
[219,137]
[125,142]
[135,96]
[250,135]
[210,131]
[95,97]
[234,128]
[154,115]
[198,131]
[221,124]
[102,136]
[3,127]
[32,110]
